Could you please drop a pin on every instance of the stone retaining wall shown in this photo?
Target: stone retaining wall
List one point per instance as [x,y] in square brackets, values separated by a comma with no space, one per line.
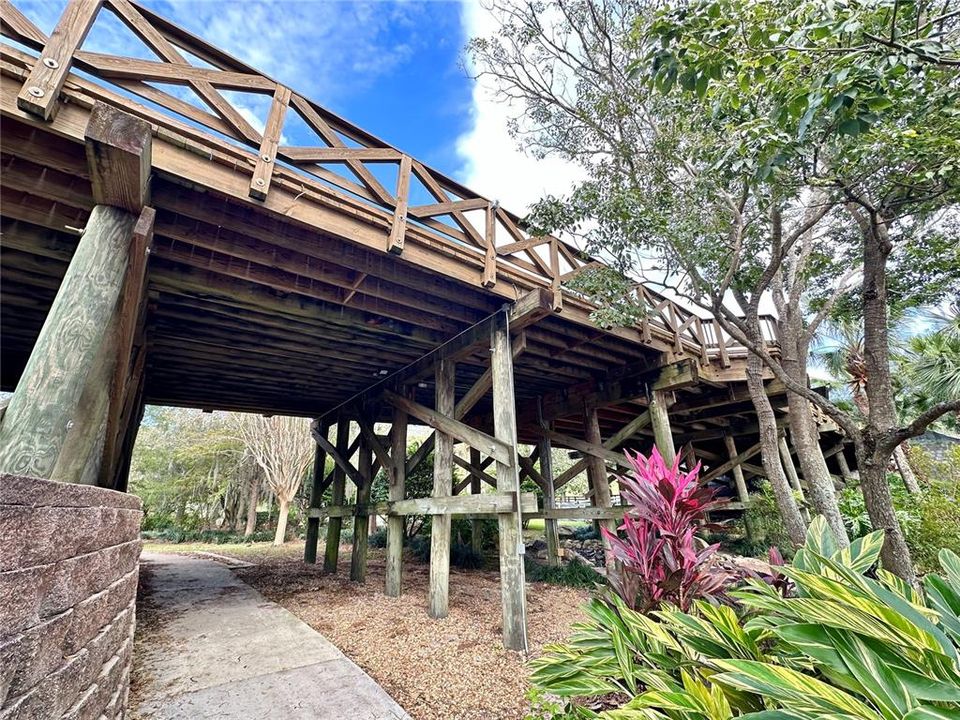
[69,558]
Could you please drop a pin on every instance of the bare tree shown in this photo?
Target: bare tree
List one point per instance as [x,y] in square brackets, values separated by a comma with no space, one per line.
[283,449]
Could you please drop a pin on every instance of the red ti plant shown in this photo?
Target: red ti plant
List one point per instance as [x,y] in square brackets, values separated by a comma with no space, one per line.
[658,561]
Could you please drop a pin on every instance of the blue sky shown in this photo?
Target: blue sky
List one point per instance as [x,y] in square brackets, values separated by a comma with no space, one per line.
[391,67]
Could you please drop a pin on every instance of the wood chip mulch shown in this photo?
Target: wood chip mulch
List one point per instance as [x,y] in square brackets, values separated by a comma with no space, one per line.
[444,669]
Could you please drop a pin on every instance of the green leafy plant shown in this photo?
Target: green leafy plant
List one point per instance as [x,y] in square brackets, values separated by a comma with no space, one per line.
[849,641]
[572,574]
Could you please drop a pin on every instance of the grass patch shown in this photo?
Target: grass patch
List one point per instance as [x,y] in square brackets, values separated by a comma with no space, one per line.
[574,574]
[250,552]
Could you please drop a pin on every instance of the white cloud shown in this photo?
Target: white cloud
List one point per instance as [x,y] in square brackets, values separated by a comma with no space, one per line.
[493,164]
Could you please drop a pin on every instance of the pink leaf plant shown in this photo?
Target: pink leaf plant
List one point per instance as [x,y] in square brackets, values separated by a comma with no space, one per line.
[658,558]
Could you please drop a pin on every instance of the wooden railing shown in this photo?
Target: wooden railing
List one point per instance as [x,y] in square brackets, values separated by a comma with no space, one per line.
[346,159]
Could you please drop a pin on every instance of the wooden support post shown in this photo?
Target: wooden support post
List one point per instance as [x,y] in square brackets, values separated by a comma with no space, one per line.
[662,434]
[40,94]
[549,496]
[845,471]
[597,477]
[395,524]
[358,559]
[267,158]
[475,489]
[512,590]
[794,479]
[731,445]
[316,498]
[398,229]
[442,487]
[741,484]
[489,276]
[338,495]
[47,403]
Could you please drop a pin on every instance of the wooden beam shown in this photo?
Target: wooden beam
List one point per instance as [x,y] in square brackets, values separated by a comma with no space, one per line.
[470,398]
[40,93]
[396,479]
[549,496]
[739,481]
[662,432]
[398,228]
[316,498]
[512,590]
[731,463]
[341,461]
[530,308]
[339,154]
[119,155]
[267,157]
[456,429]
[338,493]
[597,476]
[480,506]
[438,599]
[474,471]
[131,317]
[594,450]
[358,557]
[475,489]
[445,208]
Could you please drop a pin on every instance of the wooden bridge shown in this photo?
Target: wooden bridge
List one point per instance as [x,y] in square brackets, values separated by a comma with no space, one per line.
[158,248]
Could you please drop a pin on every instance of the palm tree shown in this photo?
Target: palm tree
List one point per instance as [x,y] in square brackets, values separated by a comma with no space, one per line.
[931,362]
[843,357]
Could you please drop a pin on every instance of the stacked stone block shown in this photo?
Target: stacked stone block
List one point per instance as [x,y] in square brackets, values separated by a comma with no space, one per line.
[69,558]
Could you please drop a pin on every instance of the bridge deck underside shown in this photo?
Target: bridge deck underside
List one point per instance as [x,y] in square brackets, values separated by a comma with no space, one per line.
[251,313]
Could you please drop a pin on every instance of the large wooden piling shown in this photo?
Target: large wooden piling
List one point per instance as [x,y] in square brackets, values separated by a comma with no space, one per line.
[442,487]
[338,491]
[316,497]
[397,489]
[512,591]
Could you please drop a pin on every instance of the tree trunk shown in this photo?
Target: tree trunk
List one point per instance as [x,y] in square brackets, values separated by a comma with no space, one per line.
[770,453]
[803,428]
[879,503]
[804,435]
[906,472]
[252,502]
[881,415]
[282,522]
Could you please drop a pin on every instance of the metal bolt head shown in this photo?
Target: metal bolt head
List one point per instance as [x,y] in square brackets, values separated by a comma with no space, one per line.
[265,158]
[51,63]
[259,181]
[35,91]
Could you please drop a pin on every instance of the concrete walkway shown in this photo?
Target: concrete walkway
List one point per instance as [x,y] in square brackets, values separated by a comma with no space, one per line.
[217,649]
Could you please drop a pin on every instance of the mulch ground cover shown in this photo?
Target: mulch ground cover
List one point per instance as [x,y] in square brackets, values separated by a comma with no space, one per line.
[444,669]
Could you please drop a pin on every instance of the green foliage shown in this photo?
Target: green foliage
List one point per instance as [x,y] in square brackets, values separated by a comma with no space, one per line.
[461,556]
[841,643]
[586,532]
[378,539]
[766,525]
[930,520]
[572,574]
[417,484]
[215,537]
[461,530]
[182,465]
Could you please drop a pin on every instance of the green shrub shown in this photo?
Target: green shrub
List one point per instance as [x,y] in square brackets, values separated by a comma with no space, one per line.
[840,639]
[585,532]
[461,556]
[213,537]
[573,574]
[461,531]
[378,539]
[937,524]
